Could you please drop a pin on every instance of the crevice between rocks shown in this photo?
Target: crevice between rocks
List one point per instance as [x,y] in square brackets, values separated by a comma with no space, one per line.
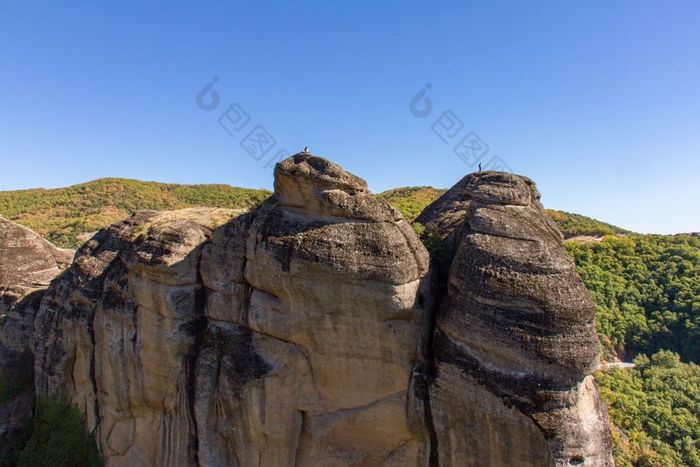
[93,377]
[427,370]
[199,326]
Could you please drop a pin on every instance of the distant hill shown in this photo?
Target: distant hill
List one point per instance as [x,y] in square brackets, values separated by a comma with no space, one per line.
[576,225]
[412,200]
[66,216]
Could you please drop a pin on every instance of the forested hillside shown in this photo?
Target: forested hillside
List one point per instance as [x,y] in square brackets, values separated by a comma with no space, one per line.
[655,409]
[574,225]
[647,292]
[411,201]
[67,215]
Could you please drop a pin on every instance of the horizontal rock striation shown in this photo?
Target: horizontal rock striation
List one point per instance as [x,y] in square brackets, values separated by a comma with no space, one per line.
[514,332]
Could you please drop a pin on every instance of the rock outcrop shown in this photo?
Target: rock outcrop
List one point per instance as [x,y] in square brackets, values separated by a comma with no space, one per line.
[514,340]
[312,331]
[28,263]
[120,330]
[327,288]
[286,337]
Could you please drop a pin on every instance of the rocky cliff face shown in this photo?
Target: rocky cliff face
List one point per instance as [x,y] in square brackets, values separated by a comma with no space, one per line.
[27,264]
[514,339]
[314,331]
[287,336]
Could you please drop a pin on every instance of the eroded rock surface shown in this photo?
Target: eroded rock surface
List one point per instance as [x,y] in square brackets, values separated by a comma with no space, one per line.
[514,332]
[287,336]
[311,332]
[313,327]
[28,263]
[120,331]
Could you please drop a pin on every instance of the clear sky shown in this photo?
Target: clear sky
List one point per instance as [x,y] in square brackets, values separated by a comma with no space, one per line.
[597,101]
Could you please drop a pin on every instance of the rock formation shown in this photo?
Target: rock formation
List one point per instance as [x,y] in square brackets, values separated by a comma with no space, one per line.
[120,330]
[326,294]
[287,336]
[514,340]
[27,264]
[313,331]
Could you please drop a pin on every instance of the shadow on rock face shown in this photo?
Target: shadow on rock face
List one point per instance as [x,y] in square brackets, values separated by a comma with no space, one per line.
[27,264]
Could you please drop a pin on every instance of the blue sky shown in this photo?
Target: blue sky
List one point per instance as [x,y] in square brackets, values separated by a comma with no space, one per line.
[598,102]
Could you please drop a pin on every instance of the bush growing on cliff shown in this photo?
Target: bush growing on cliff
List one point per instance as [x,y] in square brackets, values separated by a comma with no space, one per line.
[436,246]
[11,386]
[59,437]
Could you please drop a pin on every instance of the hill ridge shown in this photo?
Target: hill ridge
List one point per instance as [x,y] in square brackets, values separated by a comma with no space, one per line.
[67,215]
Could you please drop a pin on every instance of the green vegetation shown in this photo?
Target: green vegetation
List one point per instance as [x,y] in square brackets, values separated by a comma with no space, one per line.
[412,200]
[436,246]
[57,437]
[647,292]
[655,408]
[574,225]
[11,385]
[66,215]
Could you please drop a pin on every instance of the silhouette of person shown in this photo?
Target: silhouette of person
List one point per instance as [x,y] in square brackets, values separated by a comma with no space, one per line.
[479,166]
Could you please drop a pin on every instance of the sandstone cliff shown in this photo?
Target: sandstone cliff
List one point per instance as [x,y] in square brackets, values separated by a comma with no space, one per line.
[287,336]
[316,330]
